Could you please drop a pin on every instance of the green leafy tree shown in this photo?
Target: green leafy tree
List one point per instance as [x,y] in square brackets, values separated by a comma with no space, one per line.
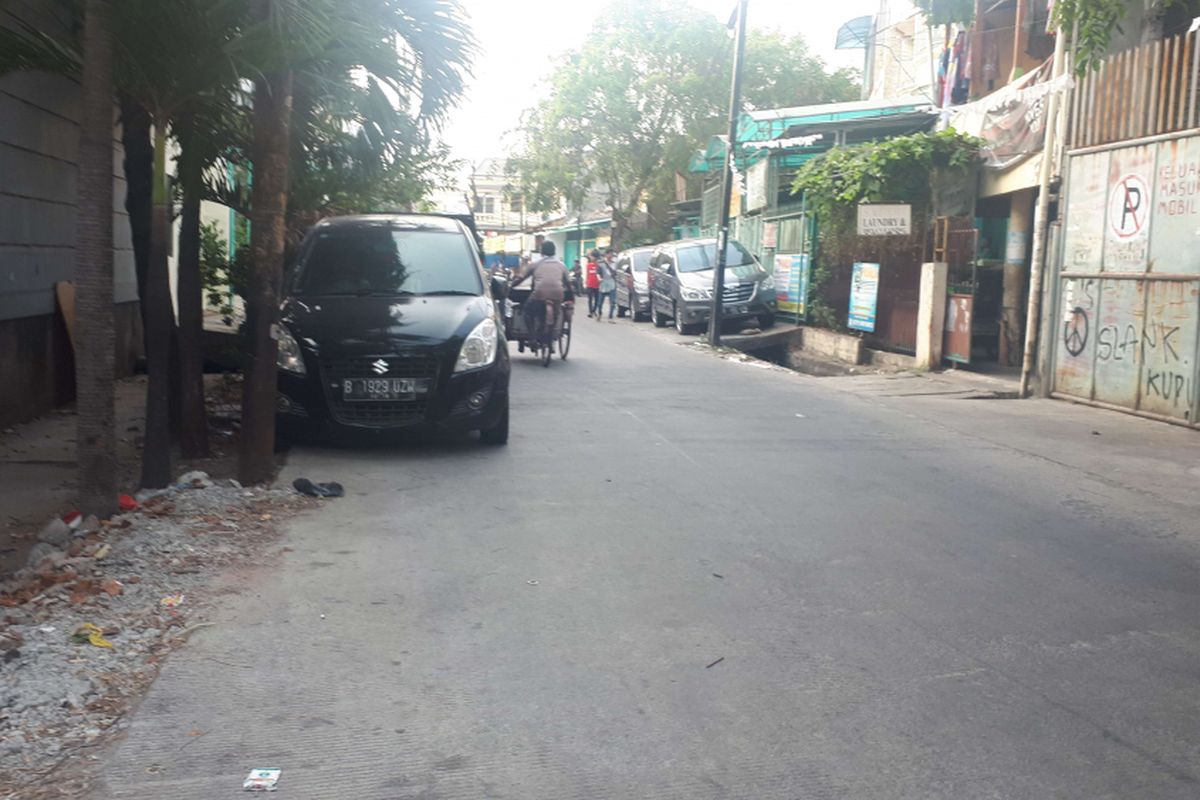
[780,72]
[650,84]
[946,12]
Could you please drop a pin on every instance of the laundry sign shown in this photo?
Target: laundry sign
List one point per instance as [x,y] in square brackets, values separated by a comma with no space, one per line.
[883,219]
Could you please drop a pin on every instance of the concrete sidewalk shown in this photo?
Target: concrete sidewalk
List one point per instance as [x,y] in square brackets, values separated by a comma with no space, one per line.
[1155,458]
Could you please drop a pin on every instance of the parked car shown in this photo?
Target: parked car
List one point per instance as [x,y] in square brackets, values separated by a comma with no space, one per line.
[633,292]
[388,323]
[681,281]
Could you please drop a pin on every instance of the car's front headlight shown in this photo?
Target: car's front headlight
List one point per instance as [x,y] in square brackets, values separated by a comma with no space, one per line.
[767,284]
[479,348]
[696,294]
[289,358]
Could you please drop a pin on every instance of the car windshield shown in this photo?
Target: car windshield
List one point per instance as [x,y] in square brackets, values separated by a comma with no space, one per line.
[641,261]
[698,257]
[389,261]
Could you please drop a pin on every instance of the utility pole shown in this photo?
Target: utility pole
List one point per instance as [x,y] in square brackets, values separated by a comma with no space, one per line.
[1040,223]
[714,323]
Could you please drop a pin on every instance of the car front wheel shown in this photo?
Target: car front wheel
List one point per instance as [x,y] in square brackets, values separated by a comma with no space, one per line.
[498,433]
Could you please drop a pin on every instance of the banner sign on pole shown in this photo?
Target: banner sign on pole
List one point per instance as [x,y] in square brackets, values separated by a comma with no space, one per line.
[791,283]
[864,295]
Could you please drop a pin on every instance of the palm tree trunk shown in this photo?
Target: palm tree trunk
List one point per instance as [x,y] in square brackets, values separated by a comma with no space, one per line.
[156,455]
[193,440]
[272,124]
[139,188]
[95,341]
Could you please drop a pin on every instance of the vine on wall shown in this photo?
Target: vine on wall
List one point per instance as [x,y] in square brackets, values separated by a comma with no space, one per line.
[897,170]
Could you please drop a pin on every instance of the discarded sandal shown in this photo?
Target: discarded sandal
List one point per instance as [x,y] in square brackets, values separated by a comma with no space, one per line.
[305,486]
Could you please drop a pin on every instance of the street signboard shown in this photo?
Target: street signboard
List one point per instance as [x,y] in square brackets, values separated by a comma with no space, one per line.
[884,219]
[770,235]
[756,185]
[791,283]
[864,296]
[956,341]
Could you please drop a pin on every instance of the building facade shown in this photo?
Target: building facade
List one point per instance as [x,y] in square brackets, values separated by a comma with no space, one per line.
[39,150]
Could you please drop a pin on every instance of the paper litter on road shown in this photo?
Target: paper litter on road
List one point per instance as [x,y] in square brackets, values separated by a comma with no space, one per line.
[261,780]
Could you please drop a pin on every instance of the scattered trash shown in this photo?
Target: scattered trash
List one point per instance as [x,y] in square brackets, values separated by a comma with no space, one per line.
[172,600]
[801,416]
[73,518]
[261,780]
[126,503]
[718,575]
[47,629]
[102,551]
[305,486]
[56,532]
[112,588]
[713,664]
[87,633]
[322,616]
[1095,433]
[39,552]
[532,583]
[189,630]
[196,479]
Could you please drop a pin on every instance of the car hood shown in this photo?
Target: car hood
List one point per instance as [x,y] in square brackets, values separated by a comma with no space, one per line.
[747,273]
[380,324]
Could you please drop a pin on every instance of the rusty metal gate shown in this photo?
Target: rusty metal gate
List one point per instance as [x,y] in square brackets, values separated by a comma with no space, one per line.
[1128,294]
[1123,327]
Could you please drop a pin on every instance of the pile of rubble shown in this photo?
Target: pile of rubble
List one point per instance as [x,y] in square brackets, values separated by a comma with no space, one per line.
[85,626]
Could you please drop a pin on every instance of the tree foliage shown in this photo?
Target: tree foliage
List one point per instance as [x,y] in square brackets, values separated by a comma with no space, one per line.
[946,12]
[649,85]
[897,170]
[889,170]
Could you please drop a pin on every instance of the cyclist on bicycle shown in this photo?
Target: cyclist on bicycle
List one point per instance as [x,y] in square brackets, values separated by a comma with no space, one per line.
[551,283]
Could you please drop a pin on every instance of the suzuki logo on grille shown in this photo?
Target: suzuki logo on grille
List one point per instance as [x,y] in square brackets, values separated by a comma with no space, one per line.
[380,366]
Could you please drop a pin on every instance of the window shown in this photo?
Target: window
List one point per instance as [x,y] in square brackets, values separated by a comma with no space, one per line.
[390,262]
[697,257]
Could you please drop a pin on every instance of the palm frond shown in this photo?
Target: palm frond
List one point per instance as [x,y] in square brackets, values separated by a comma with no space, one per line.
[25,47]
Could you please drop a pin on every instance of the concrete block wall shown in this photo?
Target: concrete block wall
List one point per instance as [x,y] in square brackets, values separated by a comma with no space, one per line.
[822,343]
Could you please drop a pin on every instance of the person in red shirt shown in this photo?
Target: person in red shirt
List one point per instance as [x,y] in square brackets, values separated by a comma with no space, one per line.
[593,282]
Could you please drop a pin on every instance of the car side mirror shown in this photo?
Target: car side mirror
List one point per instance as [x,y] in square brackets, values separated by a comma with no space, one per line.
[499,286]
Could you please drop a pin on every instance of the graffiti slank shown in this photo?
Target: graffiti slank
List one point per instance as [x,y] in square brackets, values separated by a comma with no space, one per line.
[1129,205]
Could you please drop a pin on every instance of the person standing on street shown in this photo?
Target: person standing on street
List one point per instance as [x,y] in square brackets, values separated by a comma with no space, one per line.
[608,286]
[593,283]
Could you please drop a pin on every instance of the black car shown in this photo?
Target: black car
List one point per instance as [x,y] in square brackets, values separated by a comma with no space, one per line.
[681,284]
[633,292]
[388,324]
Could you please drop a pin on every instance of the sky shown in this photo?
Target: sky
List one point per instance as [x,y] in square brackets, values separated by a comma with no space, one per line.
[519,40]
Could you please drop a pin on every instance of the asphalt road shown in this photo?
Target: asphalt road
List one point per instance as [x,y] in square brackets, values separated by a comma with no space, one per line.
[687,577]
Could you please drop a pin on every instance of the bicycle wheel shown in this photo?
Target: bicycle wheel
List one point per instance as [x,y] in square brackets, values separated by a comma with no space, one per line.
[564,341]
[547,353]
